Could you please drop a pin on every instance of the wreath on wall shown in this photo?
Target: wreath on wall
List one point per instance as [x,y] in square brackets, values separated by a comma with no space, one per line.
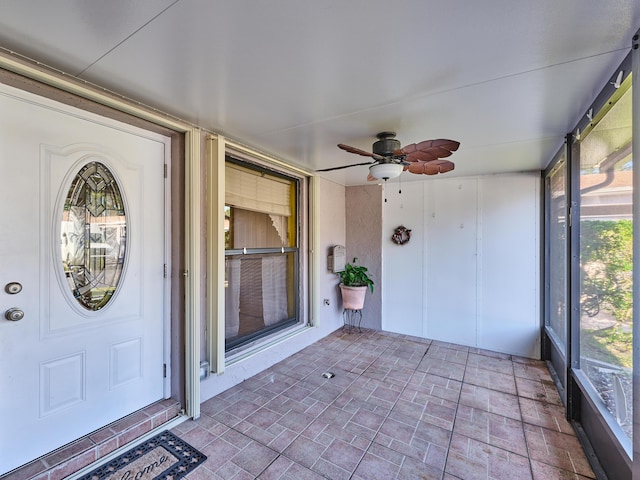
[401,235]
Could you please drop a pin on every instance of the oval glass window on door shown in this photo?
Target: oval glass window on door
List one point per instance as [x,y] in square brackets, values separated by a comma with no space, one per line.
[94,236]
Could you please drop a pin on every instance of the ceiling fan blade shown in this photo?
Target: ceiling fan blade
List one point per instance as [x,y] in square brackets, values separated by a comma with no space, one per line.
[443,167]
[431,168]
[419,156]
[345,166]
[371,178]
[428,150]
[357,151]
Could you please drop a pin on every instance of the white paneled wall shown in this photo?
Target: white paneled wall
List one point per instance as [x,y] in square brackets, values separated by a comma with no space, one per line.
[403,285]
[470,274]
[509,279]
[451,273]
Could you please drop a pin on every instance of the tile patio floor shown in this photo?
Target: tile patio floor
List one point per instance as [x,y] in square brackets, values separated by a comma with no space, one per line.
[398,407]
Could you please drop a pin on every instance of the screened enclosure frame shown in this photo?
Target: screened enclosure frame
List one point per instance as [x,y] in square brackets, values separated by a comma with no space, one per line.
[595,425]
[554,347]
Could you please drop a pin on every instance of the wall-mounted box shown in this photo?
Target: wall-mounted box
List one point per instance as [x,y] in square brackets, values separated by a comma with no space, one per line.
[336,259]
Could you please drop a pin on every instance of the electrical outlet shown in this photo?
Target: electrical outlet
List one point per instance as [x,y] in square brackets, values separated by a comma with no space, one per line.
[326,301]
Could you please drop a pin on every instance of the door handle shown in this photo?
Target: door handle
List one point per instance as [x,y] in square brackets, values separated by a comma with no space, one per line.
[14,314]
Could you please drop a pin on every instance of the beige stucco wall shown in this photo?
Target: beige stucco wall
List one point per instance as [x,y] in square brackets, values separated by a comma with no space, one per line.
[364,205]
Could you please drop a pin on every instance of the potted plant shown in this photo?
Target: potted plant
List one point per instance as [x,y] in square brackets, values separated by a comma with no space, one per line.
[354,281]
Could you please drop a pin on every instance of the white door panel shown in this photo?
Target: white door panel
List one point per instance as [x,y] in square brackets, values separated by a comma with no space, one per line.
[66,371]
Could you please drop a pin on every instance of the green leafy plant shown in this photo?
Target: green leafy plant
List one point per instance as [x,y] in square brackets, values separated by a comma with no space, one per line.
[606,254]
[355,276]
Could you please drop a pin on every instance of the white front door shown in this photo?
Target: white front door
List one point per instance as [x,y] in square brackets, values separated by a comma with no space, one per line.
[82,254]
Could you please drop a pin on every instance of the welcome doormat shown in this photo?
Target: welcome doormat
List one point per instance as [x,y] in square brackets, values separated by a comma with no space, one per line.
[163,457]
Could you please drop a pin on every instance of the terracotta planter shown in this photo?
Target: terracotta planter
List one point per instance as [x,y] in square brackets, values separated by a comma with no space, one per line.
[353,297]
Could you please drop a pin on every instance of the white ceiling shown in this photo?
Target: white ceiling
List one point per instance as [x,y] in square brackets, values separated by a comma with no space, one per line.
[506,78]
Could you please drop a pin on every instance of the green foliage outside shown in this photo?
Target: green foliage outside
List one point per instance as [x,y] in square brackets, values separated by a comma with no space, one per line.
[606,259]
[610,345]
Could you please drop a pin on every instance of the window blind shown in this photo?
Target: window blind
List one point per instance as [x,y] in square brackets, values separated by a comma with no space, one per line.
[257,191]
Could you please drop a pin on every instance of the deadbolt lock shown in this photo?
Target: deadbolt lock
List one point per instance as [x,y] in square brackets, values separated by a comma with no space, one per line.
[13,288]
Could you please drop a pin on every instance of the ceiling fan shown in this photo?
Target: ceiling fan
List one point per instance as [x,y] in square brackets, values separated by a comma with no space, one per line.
[390,160]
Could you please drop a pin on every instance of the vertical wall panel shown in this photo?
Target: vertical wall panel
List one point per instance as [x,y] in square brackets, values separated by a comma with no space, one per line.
[403,265]
[451,260]
[509,264]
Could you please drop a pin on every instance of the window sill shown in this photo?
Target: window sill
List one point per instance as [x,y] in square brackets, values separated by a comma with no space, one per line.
[247,351]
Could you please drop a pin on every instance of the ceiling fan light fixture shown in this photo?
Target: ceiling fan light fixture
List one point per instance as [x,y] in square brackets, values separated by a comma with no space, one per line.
[390,160]
[385,171]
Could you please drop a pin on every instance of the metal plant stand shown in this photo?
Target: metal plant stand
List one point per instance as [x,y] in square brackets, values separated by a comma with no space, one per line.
[352,319]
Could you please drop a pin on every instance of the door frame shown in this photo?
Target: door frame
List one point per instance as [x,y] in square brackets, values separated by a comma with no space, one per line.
[185,276]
